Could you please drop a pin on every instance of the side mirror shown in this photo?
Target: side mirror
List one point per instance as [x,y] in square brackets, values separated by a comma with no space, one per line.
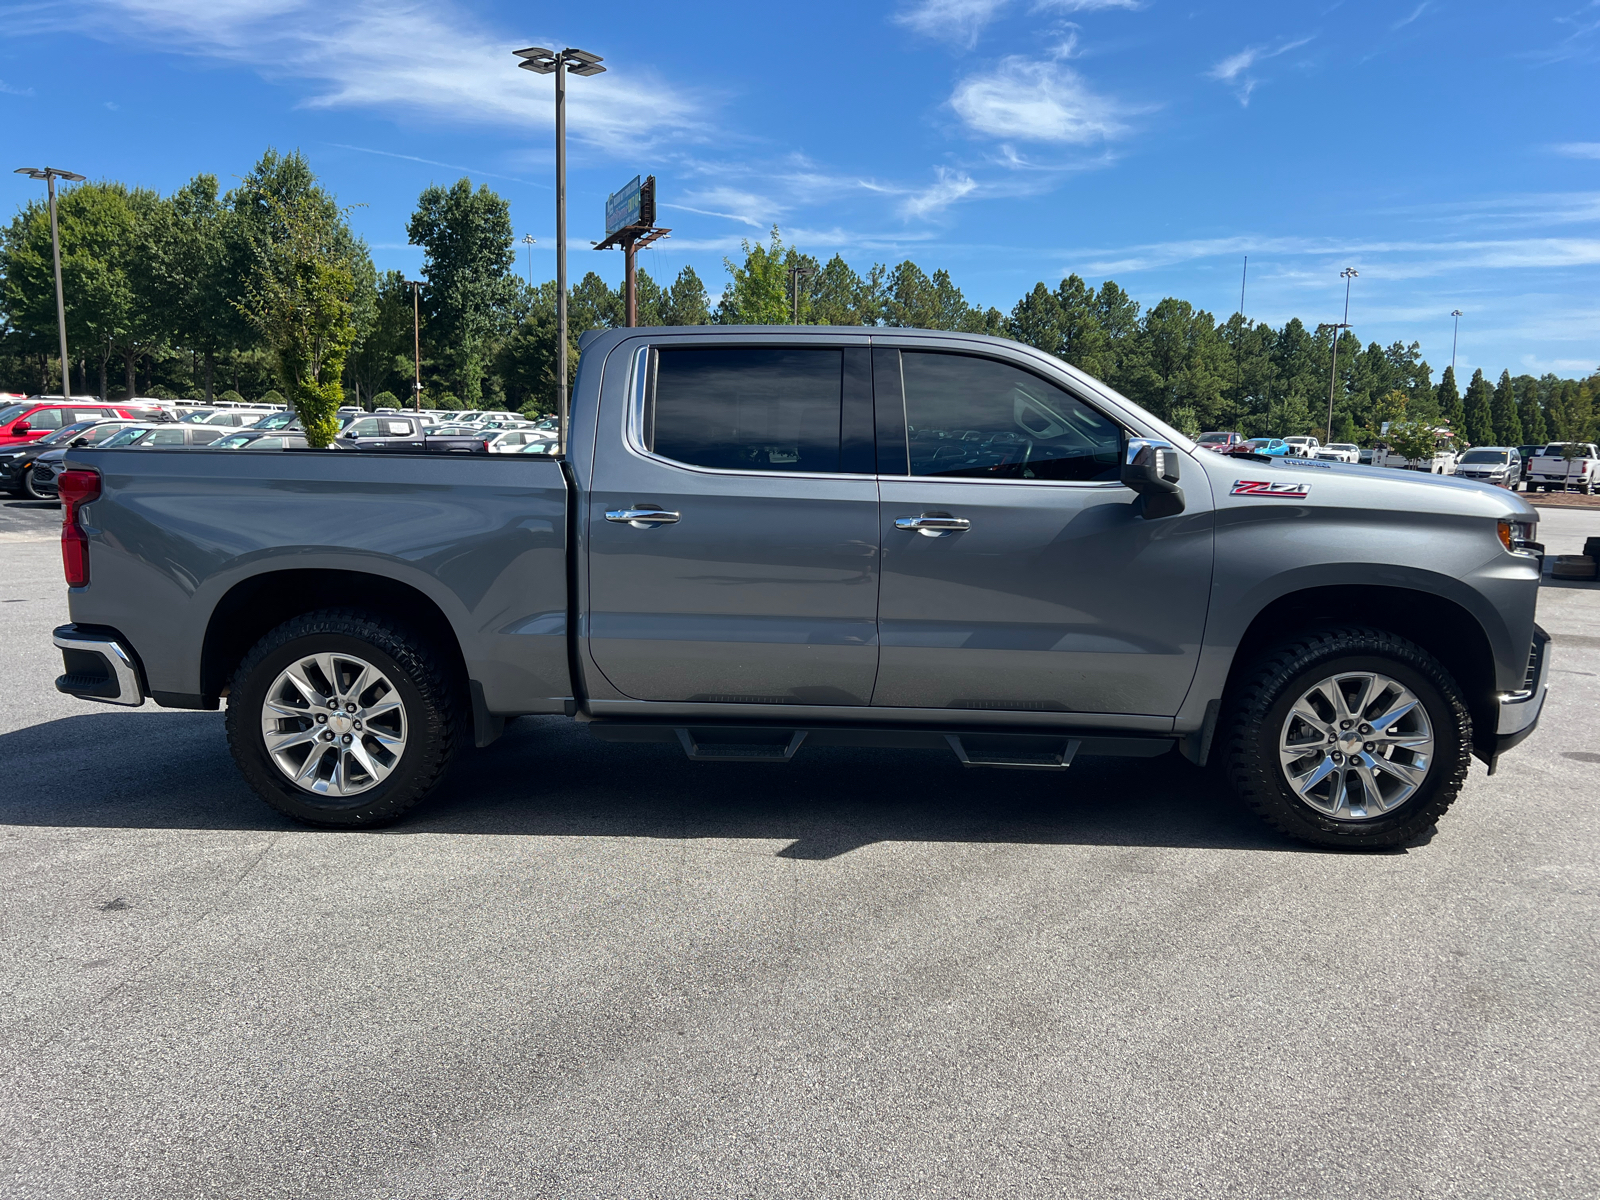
[20,428]
[1150,467]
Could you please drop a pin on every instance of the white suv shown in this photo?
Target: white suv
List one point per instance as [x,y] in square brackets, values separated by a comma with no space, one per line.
[1347,452]
[1304,447]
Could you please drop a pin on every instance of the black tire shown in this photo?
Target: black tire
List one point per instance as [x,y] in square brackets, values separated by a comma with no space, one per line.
[28,490]
[422,683]
[1259,707]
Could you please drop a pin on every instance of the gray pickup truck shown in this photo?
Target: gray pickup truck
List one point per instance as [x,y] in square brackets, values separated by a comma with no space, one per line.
[762,540]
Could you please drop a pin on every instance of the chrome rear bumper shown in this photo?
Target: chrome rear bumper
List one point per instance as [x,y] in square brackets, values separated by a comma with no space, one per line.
[99,667]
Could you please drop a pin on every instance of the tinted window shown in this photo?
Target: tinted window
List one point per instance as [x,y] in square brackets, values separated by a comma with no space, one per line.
[1484,456]
[976,417]
[65,434]
[164,437]
[748,409]
[11,412]
[46,418]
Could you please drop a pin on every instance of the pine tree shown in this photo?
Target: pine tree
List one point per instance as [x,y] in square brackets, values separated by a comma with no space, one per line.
[1530,410]
[1479,401]
[1447,400]
[1503,413]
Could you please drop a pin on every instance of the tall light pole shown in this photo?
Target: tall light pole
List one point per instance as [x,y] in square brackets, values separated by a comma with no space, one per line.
[1454,336]
[796,274]
[543,61]
[50,175]
[416,340]
[1347,275]
[529,241]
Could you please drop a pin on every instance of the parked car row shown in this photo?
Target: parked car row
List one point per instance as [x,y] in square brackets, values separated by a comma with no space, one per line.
[31,457]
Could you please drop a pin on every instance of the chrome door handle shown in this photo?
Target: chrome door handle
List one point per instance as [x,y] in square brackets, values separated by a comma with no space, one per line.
[642,518]
[933,524]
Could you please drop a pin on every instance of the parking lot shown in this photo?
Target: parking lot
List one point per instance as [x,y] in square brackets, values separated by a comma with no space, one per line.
[603,970]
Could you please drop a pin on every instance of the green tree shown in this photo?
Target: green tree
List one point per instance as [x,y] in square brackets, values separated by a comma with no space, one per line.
[198,269]
[1503,413]
[758,292]
[1388,412]
[839,296]
[466,242]
[1414,440]
[685,302]
[1479,405]
[1447,403]
[382,358]
[1529,409]
[300,299]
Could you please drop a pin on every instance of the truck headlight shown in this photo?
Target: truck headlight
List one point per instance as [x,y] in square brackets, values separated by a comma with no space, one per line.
[1515,534]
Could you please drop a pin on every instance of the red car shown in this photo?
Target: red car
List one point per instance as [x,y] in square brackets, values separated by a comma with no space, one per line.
[1222,443]
[30,419]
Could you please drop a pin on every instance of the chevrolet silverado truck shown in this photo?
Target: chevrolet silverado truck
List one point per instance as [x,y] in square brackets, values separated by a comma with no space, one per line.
[763,540]
[1564,465]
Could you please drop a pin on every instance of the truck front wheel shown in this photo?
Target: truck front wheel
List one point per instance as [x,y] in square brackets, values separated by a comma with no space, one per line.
[1348,737]
[342,719]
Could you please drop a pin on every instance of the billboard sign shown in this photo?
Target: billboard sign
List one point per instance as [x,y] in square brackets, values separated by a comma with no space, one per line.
[634,205]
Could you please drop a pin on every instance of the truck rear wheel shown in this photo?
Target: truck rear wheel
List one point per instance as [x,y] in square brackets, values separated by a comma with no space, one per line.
[341,719]
[1349,737]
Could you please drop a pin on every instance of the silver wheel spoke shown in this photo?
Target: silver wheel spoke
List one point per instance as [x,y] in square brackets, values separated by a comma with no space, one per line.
[346,765]
[1364,784]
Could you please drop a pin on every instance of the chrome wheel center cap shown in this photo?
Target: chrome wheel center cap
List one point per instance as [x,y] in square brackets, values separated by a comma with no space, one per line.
[340,723]
[1351,743]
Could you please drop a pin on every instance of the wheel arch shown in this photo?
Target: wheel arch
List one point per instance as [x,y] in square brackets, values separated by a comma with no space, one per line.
[257,604]
[1442,627]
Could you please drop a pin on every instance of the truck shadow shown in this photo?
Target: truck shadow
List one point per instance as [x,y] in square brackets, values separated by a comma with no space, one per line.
[549,777]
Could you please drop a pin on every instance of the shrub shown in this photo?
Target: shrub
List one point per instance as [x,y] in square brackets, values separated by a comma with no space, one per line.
[231,397]
[385,400]
[273,397]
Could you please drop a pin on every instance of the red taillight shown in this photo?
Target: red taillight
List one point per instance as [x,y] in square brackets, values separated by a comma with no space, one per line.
[76,488]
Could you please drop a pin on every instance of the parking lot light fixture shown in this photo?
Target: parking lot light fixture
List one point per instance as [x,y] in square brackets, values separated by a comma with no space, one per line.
[543,61]
[1455,335]
[416,340]
[50,175]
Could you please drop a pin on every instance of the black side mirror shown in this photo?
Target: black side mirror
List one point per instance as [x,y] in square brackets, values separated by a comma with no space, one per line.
[1150,467]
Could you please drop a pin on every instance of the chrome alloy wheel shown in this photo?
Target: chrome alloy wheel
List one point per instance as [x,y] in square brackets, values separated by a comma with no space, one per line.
[1356,746]
[333,724]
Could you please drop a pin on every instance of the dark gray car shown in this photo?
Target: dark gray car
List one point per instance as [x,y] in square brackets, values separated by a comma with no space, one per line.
[762,540]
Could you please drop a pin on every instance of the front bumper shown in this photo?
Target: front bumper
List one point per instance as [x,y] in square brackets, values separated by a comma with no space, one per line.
[1519,710]
[99,666]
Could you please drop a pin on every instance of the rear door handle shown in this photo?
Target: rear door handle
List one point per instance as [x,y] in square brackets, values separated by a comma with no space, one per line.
[933,524]
[642,518]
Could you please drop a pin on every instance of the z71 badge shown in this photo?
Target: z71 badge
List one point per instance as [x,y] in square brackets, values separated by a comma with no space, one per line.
[1280,491]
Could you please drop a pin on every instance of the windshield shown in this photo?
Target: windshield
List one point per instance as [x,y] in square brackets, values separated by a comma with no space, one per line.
[11,412]
[1485,456]
[199,414]
[1209,439]
[65,434]
[1343,446]
[125,436]
[276,420]
[232,441]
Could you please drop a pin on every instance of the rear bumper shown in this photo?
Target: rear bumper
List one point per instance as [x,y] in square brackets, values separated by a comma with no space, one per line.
[1519,710]
[99,666]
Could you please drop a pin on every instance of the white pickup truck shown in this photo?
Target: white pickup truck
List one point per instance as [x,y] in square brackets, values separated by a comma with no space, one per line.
[1551,469]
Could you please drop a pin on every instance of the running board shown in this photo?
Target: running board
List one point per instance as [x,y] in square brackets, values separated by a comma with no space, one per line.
[731,751]
[1044,759]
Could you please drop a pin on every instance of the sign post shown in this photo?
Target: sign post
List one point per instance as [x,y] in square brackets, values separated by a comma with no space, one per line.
[630,225]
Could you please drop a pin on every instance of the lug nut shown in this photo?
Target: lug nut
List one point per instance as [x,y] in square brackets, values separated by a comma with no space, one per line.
[1338,758]
[345,739]
[349,708]
[322,718]
[1366,729]
[357,724]
[1346,724]
[327,735]
[1370,746]
[333,704]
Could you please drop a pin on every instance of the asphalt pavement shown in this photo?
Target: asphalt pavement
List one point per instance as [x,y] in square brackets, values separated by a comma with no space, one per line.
[605,971]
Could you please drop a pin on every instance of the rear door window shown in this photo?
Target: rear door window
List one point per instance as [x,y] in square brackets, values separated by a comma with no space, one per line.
[747,408]
[979,418]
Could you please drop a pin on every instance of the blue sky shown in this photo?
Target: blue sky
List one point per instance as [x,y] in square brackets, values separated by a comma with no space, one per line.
[1448,150]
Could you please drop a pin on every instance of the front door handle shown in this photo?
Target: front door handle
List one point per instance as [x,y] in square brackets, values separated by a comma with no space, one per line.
[933,524]
[642,518]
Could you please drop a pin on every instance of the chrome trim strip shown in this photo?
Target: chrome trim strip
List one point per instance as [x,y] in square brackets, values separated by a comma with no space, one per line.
[1519,710]
[129,691]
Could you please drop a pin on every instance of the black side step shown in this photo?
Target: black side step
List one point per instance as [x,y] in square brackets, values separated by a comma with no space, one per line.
[1040,755]
[739,751]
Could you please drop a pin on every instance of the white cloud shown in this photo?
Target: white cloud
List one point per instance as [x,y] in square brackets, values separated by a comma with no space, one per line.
[959,21]
[424,58]
[1234,70]
[1415,13]
[949,187]
[1578,149]
[1032,101]
[963,21]
[14,91]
